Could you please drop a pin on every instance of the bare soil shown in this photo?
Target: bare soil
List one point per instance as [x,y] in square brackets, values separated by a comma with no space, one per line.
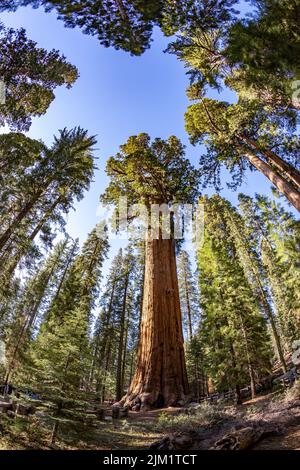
[278,416]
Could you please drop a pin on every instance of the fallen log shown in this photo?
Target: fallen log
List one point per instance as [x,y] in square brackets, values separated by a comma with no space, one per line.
[244,438]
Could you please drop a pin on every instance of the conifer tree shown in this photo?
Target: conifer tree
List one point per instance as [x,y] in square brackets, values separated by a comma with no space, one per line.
[251,133]
[276,232]
[156,173]
[105,335]
[33,302]
[124,318]
[188,294]
[234,334]
[60,355]
[240,137]
[247,249]
[265,49]
[39,182]
[128,24]
[30,75]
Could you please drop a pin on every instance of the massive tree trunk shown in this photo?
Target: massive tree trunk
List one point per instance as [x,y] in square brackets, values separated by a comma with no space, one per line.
[160,378]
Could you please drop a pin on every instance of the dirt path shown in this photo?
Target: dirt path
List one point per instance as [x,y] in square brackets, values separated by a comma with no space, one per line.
[138,431]
[152,415]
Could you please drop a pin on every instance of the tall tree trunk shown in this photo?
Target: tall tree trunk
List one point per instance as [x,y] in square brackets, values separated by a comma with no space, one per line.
[291,172]
[64,274]
[160,378]
[188,307]
[106,368]
[18,256]
[18,219]
[261,293]
[119,385]
[125,352]
[249,361]
[283,186]
[104,353]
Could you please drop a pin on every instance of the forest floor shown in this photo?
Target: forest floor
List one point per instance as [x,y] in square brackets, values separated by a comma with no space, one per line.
[278,414]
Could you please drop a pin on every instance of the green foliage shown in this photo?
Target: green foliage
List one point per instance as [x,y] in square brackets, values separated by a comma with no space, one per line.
[23,317]
[233,332]
[276,233]
[128,24]
[61,351]
[231,132]
[40,184]
[30,74]
[189,296]
[117,326]
[123,24]
[151,172]
[265,49]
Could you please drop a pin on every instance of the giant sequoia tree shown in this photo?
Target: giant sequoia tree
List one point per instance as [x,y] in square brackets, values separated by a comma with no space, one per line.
[31,75]
[156,173]
[242,136]
[259,131]
[265,49]
[60,355]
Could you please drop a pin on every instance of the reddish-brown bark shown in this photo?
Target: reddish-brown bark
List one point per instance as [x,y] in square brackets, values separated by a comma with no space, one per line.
[160,378]
[281,184]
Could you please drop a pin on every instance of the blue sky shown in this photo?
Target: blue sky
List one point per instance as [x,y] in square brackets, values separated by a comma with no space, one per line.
[116,96]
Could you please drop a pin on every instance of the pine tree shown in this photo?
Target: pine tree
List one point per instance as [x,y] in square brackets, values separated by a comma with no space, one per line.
[265,49]
[190,306]
[105,335]
[188,294]
[239,137]
[123,24]
[247,249]
[128,24]
[233,332]
[124,318]
[60,355]
[40,185]
[277,233]
[250,133]
[36,296]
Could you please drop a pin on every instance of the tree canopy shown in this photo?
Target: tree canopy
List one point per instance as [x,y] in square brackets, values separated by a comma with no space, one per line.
[30,75]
